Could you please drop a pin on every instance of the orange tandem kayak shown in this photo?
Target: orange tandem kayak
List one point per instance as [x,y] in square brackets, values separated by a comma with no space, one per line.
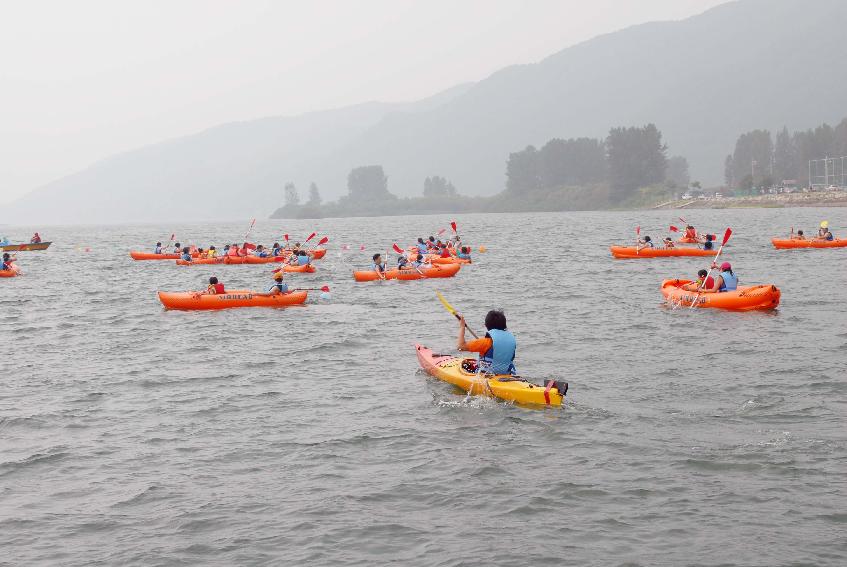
[194,301]
[745,298]
[786,243]
[439,271]
[627,252]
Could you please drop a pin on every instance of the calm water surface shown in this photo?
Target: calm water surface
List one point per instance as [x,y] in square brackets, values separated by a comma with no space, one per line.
[134,436]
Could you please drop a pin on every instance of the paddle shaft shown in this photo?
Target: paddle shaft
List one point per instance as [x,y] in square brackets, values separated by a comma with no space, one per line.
[709,273]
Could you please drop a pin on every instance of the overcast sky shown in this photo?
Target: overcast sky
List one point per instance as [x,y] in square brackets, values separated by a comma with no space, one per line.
[82,80]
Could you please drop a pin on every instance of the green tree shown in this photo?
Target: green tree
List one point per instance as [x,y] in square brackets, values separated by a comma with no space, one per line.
[292,197]
[314,195]
[522,171]
[753,155]
[728,168]
[636,158]
[438,187]
[578,161]
[785,164]
[368,183]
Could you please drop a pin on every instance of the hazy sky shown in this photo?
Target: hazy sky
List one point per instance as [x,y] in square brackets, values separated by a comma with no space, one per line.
[81,80]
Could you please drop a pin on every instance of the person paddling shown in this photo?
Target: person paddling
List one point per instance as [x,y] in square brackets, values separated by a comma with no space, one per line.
[726,280]
[421,246]
[378,265]
[709,243]
[646,242]
[700,284]
[496,349]
[158,248]
[668,242]
[276,250]
[177,248]
[464,253]
[278,286]
[798,236]
[215,287]
[6,264]
[826,235]
[36,239]
[690,233]
[186,254]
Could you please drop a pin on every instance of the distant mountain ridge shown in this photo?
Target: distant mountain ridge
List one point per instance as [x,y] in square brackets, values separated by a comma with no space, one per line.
[739,66]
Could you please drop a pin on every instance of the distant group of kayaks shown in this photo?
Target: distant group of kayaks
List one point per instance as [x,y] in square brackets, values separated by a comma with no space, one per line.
[8,262]
[713,292]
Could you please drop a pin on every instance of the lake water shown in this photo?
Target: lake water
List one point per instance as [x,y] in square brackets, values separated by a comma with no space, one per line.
[307,436]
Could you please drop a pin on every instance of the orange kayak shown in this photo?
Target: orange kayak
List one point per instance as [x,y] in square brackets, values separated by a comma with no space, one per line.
[137,255]
[745,298]
[785,243]
[450,260]
[307,269]
[317,253]
[627,252]
[200,261]
[194,301]
[440,271]
[14,272]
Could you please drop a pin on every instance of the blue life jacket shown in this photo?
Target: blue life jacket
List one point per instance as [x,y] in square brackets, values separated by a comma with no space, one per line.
[281,286]
[262,254]
[276,251]
[158,250]
[402,261]
[422,248]
[463,256]
[730,282]
[500,357]
[303,260]
[709,245]
[378,267]
[5,266]
[186,257]
[829,236]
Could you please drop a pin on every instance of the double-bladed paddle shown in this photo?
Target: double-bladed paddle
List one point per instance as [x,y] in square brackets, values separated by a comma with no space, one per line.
[454,313]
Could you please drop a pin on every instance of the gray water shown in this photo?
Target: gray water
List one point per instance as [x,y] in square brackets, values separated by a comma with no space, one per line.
[134,436]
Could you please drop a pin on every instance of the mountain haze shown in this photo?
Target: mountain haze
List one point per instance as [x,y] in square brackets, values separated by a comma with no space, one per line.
[740,66]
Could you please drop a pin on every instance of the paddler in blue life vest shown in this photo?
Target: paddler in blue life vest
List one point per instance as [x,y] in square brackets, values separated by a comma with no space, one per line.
[378,265]
[496,349]
[726,280]
[277,287]
[464,253]
[158,248]
[6,263]
[186,254]
[421,245]
[646,242]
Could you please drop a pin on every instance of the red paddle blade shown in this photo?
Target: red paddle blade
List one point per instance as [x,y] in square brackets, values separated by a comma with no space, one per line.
[442,231]
[172,236]
[325,289]
[674,229]
[637,230]
[453,225]
[285,236]
[726,235]
[397,248]
[362,247]
[323,241]
[277,271]
[311,236]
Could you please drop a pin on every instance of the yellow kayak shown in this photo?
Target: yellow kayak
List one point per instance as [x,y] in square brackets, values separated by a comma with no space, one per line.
[456,371]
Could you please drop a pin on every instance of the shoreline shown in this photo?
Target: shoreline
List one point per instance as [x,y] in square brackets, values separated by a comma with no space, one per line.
[778,201]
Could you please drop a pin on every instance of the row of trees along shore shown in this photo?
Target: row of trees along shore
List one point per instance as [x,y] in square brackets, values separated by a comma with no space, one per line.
[760,161]
[628,168]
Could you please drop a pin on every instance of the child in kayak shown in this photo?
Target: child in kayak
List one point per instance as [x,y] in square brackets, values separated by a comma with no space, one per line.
[158,248]
[496,349]
[725,281]
[646,242]
[277,287]
[6,264]
[402,262]
[698,285]
[260,252]
[798,236]
[464,253]
[212,253]
[177,248]
[827,235]
[276,250]
[709,243]
[378,265]
[215,287]
[301,258]
[36,239]
[690,233]
[421,246]
[668,242]
[186,254]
